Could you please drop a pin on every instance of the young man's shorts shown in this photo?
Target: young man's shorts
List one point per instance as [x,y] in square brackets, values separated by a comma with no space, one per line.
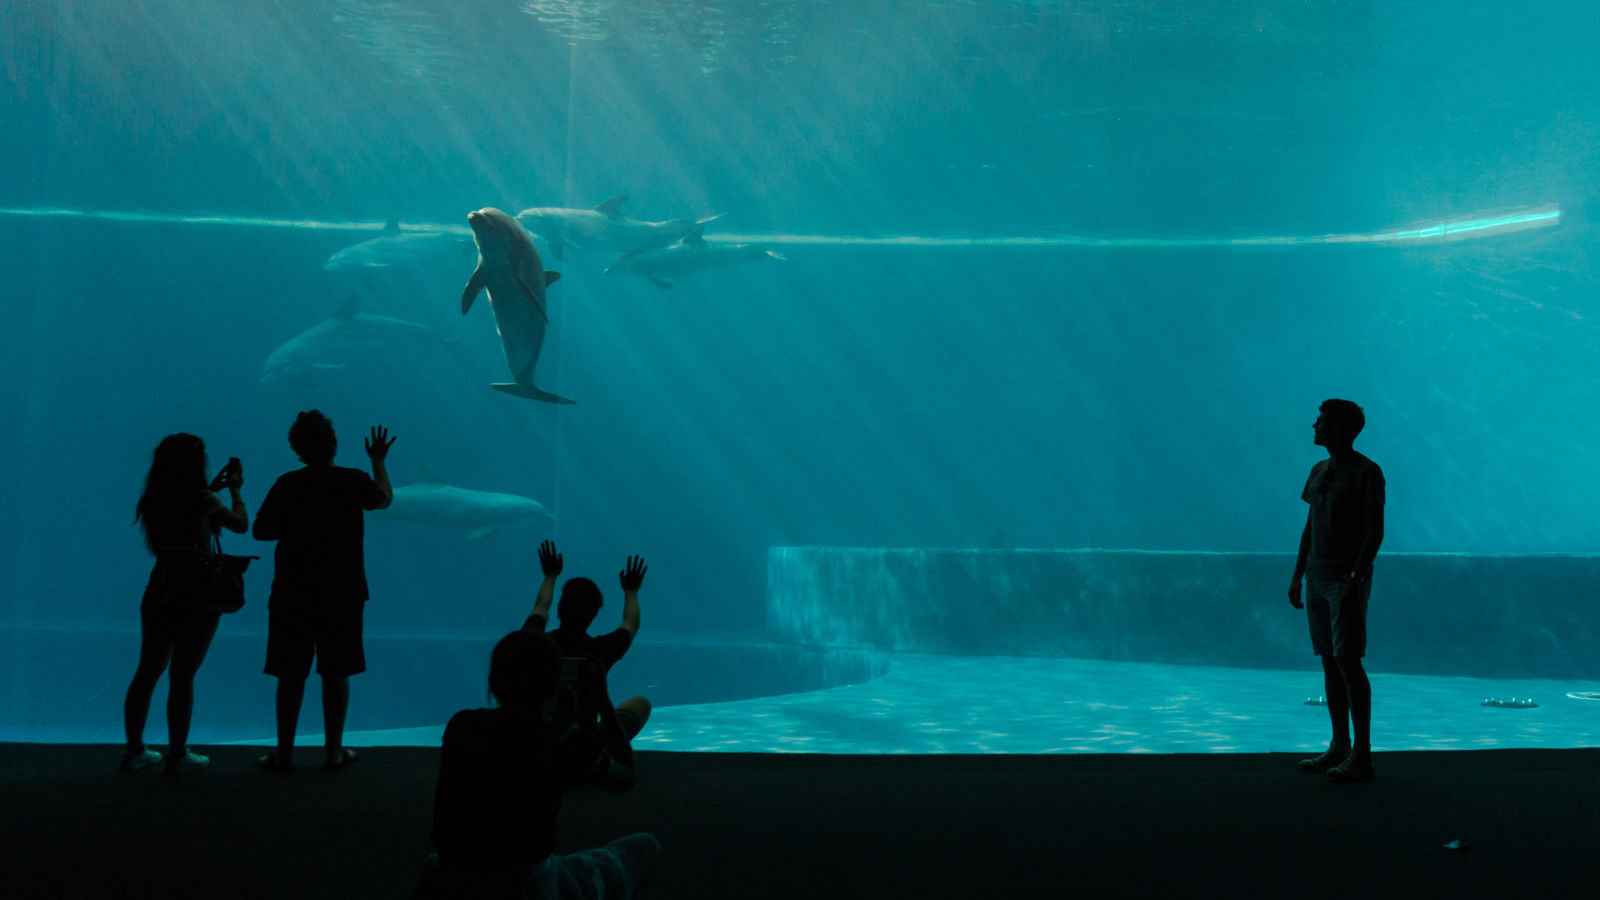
[1337,628]
[331,634]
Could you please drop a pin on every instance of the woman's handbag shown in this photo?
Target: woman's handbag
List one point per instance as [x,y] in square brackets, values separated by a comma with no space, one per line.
[210,580]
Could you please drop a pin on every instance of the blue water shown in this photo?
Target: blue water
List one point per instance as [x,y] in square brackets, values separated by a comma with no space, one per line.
[1030,388]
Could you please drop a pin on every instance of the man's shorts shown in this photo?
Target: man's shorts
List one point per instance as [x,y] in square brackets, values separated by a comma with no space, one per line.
[1337,628]
[331,634]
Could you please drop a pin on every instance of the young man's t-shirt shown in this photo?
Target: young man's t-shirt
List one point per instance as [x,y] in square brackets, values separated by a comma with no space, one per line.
[316,515]
[1340,499]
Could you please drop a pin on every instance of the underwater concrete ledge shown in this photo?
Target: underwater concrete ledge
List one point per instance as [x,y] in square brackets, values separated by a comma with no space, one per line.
[1476,615]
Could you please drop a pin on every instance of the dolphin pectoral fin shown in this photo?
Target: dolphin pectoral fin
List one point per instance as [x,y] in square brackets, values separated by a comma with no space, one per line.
[776,255]
[551,277]
[527,290]
[474,285]
[660,282]
[517,390]
[611,207]
[479,533]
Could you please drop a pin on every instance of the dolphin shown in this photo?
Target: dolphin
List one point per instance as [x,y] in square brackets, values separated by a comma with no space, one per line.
[429,501]
[337,341]
[688,255]
[604,224]
[509,266]
[393,248]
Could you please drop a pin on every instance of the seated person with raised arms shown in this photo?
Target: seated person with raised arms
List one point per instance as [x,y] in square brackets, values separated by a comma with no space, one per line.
[502,773]
[580,603]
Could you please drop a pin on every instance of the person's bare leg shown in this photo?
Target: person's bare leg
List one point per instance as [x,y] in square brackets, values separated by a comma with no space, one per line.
[1359,689]
[632,714]
[291,691]
[189,651]
[335,703]
[155,650]
[1338,701]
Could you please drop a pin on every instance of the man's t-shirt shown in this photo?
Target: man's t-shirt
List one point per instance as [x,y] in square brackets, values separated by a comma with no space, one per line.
[574,705]
[1340,498]
[501,775]
[314,513]
[609,648]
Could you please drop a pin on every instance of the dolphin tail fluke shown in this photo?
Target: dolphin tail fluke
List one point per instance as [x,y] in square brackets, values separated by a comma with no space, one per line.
[684,226]
[517,390]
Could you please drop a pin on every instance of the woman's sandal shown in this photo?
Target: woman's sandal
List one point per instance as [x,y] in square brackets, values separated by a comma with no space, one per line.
[347,758]
[270,762]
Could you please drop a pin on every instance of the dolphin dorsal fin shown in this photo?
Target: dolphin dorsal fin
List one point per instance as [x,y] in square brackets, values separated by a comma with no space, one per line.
[696,236]
[391,227]
[611,207]
[346,308]
[426,475]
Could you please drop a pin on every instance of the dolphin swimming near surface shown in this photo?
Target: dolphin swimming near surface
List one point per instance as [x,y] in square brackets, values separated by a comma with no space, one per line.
[509,266]
[394,248]
[604,224]
[348,336]
[431,502]
[688,255]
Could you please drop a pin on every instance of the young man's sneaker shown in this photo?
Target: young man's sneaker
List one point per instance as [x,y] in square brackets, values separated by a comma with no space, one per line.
[1330,758]
[1356,767]
[144,759]
[188,762]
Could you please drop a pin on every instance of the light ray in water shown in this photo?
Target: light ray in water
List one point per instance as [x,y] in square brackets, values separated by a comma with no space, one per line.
[1462,229]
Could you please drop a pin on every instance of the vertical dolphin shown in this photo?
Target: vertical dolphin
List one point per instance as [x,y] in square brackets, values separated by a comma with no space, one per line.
[510,268]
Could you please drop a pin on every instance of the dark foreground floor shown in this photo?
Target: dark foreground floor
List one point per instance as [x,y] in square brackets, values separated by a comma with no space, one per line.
[777,826]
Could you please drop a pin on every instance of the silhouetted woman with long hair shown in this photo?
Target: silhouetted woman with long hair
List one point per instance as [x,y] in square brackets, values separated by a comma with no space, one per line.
[179,512]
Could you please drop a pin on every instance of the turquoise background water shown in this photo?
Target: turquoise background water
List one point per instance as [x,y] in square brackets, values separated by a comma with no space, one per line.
[1156,393]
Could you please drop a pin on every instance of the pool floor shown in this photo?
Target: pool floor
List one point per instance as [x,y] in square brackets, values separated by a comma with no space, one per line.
[945,704]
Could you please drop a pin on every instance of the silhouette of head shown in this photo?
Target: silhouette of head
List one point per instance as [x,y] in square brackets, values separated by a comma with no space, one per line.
[525,669]
[580,603]
[312,438]
[170,507]
[1339,423]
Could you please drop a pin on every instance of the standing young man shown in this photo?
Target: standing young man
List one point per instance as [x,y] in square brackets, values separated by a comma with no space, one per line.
[319,579]
[1343,530]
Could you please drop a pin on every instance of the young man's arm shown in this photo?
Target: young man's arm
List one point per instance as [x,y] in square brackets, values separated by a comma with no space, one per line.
[1300,564]
[550,563]
[632,579]
[377,445]
[1371,540]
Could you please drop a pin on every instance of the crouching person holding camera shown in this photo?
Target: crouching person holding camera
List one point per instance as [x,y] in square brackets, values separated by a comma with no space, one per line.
[502,773]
